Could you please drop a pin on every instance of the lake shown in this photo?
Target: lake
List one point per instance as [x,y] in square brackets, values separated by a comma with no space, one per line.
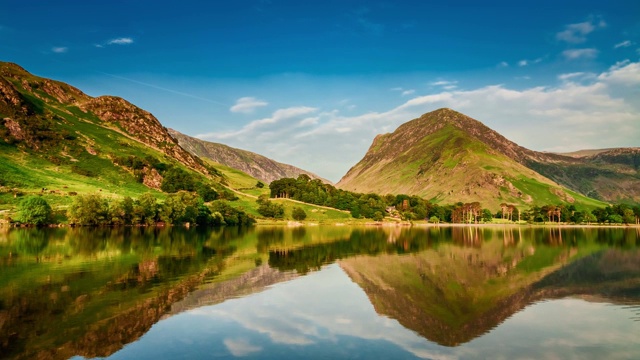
[320,292]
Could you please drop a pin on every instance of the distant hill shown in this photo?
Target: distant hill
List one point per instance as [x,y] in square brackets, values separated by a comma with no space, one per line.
[256,165]
[611,175]
[55,137]
[449,157]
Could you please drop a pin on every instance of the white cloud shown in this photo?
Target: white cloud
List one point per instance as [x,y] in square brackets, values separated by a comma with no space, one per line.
[577,33]
[120,41]
[443,83]
[525,62]
[600,110]
[309,121]
[625,43]
[503,64]
[622,73]
[264,129]
[247,105]
[580,75]
[240,347]
[408,92]
[60,49]
[573,54]
[569,76]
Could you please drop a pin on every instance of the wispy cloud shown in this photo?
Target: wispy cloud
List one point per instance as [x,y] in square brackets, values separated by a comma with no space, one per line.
[240,347]
[625,43]
[60,49]
[570,75]
[525,62]
[445,84]
[503,64]
[247,105]
[403,91]
[280,116]
[573,54]
[577,33]
[120,41]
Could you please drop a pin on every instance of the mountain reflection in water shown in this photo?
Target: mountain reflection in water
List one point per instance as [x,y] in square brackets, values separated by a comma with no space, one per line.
[436,292]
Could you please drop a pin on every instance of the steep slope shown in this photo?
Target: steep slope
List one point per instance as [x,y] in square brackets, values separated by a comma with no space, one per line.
[54,136]
[449,157]
[256,165]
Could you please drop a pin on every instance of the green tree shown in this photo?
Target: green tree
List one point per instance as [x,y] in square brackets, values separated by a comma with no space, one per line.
[486,215]
[176,179]
[270,209]
[229,214]
[145,209]
[180,207]
[90,209]
[298,213]
[34,210]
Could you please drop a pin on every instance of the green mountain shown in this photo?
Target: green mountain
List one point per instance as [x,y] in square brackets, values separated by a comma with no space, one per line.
[54,139]
[256,165]
[449,157]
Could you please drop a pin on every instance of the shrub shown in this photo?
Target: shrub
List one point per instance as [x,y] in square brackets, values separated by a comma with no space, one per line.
[229,214]
[298,213]
[270,209]
[35,210]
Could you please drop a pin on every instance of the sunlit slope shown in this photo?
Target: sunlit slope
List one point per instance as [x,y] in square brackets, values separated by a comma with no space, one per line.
[58,140]
[440,156]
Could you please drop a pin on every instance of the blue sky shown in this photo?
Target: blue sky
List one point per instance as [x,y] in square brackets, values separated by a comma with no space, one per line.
[311,83]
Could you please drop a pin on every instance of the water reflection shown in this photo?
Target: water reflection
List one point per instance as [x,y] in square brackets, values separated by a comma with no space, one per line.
[399,291]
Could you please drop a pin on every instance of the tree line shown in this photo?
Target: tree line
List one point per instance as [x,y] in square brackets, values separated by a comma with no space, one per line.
[96,210]
[411,207]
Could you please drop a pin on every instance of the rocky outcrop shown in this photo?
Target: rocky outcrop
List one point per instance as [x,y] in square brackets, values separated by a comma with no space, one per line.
[142,125]
[152,178]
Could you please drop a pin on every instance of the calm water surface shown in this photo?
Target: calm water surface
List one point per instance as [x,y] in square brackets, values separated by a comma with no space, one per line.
[320,292]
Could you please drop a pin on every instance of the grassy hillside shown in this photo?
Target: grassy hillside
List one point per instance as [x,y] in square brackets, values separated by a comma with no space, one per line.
[59,142]
[434,157]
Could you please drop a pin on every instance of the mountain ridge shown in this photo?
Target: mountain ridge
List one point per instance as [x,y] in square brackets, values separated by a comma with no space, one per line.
[256,165]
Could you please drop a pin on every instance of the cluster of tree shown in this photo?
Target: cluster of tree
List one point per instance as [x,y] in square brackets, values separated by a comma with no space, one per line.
[94,210]
[270,209]
[316,192]
[174,178]
[138,163]
[616,214]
